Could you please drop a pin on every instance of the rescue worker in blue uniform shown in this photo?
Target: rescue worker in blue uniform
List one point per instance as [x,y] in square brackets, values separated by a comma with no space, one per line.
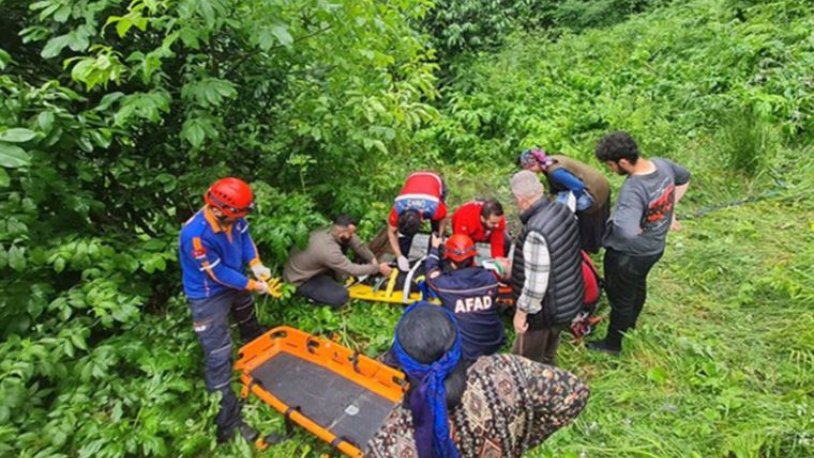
[468,291]
[215,248]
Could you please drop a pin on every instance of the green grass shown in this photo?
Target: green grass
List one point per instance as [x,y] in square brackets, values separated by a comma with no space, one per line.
[722,363]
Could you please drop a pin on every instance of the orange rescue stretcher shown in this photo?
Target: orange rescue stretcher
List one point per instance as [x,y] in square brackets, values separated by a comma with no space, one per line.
[335,393]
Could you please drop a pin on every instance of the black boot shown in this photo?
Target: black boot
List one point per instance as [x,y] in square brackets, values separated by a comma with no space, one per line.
[248,433]
[248,326]
[604,347]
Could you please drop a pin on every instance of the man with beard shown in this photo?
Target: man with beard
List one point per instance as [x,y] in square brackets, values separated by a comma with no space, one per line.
[215,249]
[315,271]
[483,221]
[637,231]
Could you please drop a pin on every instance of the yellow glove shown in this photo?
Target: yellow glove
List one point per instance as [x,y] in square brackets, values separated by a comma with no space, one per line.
[275,288]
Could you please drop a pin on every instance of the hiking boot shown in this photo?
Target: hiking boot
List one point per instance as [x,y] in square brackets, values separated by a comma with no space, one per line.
[247,432]
[225,434]
[251,331]
[601,345]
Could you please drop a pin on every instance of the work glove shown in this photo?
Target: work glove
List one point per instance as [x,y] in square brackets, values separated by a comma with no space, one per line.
[259,286]
[274,288]
[404,264]
[261,272]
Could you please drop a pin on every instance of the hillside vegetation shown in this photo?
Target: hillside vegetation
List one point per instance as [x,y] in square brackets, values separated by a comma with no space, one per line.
[115,116]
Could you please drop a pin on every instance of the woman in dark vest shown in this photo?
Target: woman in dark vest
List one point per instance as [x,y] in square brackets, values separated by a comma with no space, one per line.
[451,410]
[589,187]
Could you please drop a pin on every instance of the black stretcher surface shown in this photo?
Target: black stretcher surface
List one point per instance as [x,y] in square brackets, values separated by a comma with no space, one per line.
[337,404]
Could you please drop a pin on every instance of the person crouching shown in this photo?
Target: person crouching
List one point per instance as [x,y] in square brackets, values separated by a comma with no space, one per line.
[468,291]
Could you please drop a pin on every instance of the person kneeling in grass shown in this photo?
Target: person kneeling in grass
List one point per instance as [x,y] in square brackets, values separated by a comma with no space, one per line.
[315,271]
[468,291]
[451,410]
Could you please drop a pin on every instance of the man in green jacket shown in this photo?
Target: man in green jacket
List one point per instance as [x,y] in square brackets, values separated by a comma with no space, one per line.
[316,269]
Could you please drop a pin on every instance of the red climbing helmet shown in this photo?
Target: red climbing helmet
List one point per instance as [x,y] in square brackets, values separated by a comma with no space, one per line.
[459,248]
[232,196]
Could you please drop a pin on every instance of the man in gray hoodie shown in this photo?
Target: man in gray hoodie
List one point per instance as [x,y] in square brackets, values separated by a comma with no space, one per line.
[315,271]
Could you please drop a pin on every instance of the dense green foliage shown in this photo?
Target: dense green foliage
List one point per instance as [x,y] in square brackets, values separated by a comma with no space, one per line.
[114,117]
[480,25]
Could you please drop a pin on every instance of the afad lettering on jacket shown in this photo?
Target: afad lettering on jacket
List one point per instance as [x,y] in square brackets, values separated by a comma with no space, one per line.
[473,304]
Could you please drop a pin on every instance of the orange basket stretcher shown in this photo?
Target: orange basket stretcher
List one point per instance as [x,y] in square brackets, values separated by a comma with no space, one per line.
[335,393]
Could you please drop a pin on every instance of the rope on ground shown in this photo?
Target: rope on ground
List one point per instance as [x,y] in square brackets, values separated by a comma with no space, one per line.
[704,211]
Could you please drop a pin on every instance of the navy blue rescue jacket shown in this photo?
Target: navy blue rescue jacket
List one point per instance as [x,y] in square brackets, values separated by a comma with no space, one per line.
[470,293]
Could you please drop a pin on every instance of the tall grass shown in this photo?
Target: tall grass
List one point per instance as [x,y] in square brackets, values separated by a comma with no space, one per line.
[747,142]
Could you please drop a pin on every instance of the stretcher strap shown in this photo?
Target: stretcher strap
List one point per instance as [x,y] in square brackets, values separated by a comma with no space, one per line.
[354,360]
[408,281]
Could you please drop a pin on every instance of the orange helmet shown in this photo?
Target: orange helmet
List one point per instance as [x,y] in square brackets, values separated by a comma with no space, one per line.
[459,248]
[232,196]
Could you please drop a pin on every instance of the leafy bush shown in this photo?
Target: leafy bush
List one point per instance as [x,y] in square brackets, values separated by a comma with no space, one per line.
[665,77]
[114,117]
[483,25]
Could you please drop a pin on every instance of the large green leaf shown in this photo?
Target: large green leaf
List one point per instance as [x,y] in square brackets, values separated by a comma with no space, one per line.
[5,180]
[17,135]
[45,120]
[209,91]
[5,58]
[16,258]
[281,32]
[12,156]
[55,46]
[196,129]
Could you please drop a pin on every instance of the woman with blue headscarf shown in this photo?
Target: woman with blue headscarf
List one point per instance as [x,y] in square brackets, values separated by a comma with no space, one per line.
[502,405]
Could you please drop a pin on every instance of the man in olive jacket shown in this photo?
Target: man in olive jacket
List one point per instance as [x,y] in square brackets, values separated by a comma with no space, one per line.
[315,270]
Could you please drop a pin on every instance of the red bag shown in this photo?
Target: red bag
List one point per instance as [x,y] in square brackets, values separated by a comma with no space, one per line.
[590,277]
